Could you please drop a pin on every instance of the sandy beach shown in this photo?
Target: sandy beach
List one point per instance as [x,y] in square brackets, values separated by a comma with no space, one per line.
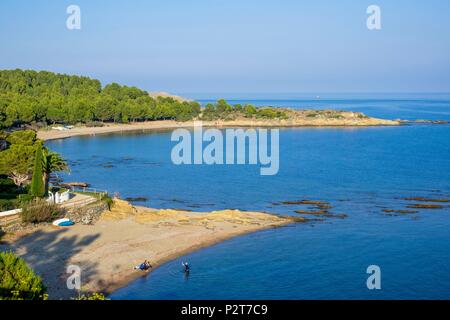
[349,119]
[123,238]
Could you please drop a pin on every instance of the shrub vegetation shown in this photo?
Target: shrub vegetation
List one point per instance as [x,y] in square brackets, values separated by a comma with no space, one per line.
[224,111]
[39,210]
[18,281]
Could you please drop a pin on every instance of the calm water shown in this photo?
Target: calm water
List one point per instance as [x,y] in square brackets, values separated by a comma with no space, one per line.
[359,171]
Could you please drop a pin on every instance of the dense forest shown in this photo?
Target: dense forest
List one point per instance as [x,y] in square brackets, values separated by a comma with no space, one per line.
[42,98]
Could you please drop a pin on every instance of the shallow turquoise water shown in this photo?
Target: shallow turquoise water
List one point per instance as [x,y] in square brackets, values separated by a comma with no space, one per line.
[359,171]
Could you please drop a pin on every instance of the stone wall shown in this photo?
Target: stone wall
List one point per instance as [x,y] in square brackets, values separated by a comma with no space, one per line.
[88,214]
[85,215]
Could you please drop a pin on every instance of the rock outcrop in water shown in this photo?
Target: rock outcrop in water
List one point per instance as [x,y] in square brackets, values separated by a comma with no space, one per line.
[421,199]
[424,204]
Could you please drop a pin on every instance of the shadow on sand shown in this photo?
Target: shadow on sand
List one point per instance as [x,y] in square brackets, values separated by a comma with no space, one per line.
[48,253]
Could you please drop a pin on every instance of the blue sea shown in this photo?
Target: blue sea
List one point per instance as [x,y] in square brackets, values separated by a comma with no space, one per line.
[359,171]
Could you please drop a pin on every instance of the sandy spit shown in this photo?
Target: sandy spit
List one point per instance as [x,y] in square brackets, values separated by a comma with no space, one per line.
[349,121]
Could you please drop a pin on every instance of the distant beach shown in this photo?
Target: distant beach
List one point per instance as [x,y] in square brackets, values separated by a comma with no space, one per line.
[350,121]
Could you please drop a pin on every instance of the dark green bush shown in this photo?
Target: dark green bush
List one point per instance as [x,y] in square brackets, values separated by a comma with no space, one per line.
[10,194]
[94,124]
[270,113]
[18,281]
[250,110]
[24,199]
[104,197]
[6,184]
[39,210]
[8,204]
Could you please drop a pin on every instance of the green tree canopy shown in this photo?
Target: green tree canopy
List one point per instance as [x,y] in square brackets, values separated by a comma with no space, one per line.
[23,137]
[17,160]
[28,97]
[31,97]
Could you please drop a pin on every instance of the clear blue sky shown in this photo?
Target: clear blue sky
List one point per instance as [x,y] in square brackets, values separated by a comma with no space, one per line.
[209,46]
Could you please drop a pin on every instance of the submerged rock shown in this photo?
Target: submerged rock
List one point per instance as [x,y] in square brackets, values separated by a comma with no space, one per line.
[400,211]
[324,214]
[425,206]
[302,202]
[324,206]
[300,219]
[421,199]
[313,212]
[136,199]
[427,121]
[107,165]
[76,184]
[440,122]
[336,215]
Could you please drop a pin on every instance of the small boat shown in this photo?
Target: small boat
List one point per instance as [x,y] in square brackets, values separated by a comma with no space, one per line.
[65,222]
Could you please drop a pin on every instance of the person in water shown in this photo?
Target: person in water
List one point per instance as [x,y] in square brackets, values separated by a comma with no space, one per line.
[186,266]
[144,266]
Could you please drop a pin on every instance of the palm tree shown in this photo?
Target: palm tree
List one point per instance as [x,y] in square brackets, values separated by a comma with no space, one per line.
[52,162]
